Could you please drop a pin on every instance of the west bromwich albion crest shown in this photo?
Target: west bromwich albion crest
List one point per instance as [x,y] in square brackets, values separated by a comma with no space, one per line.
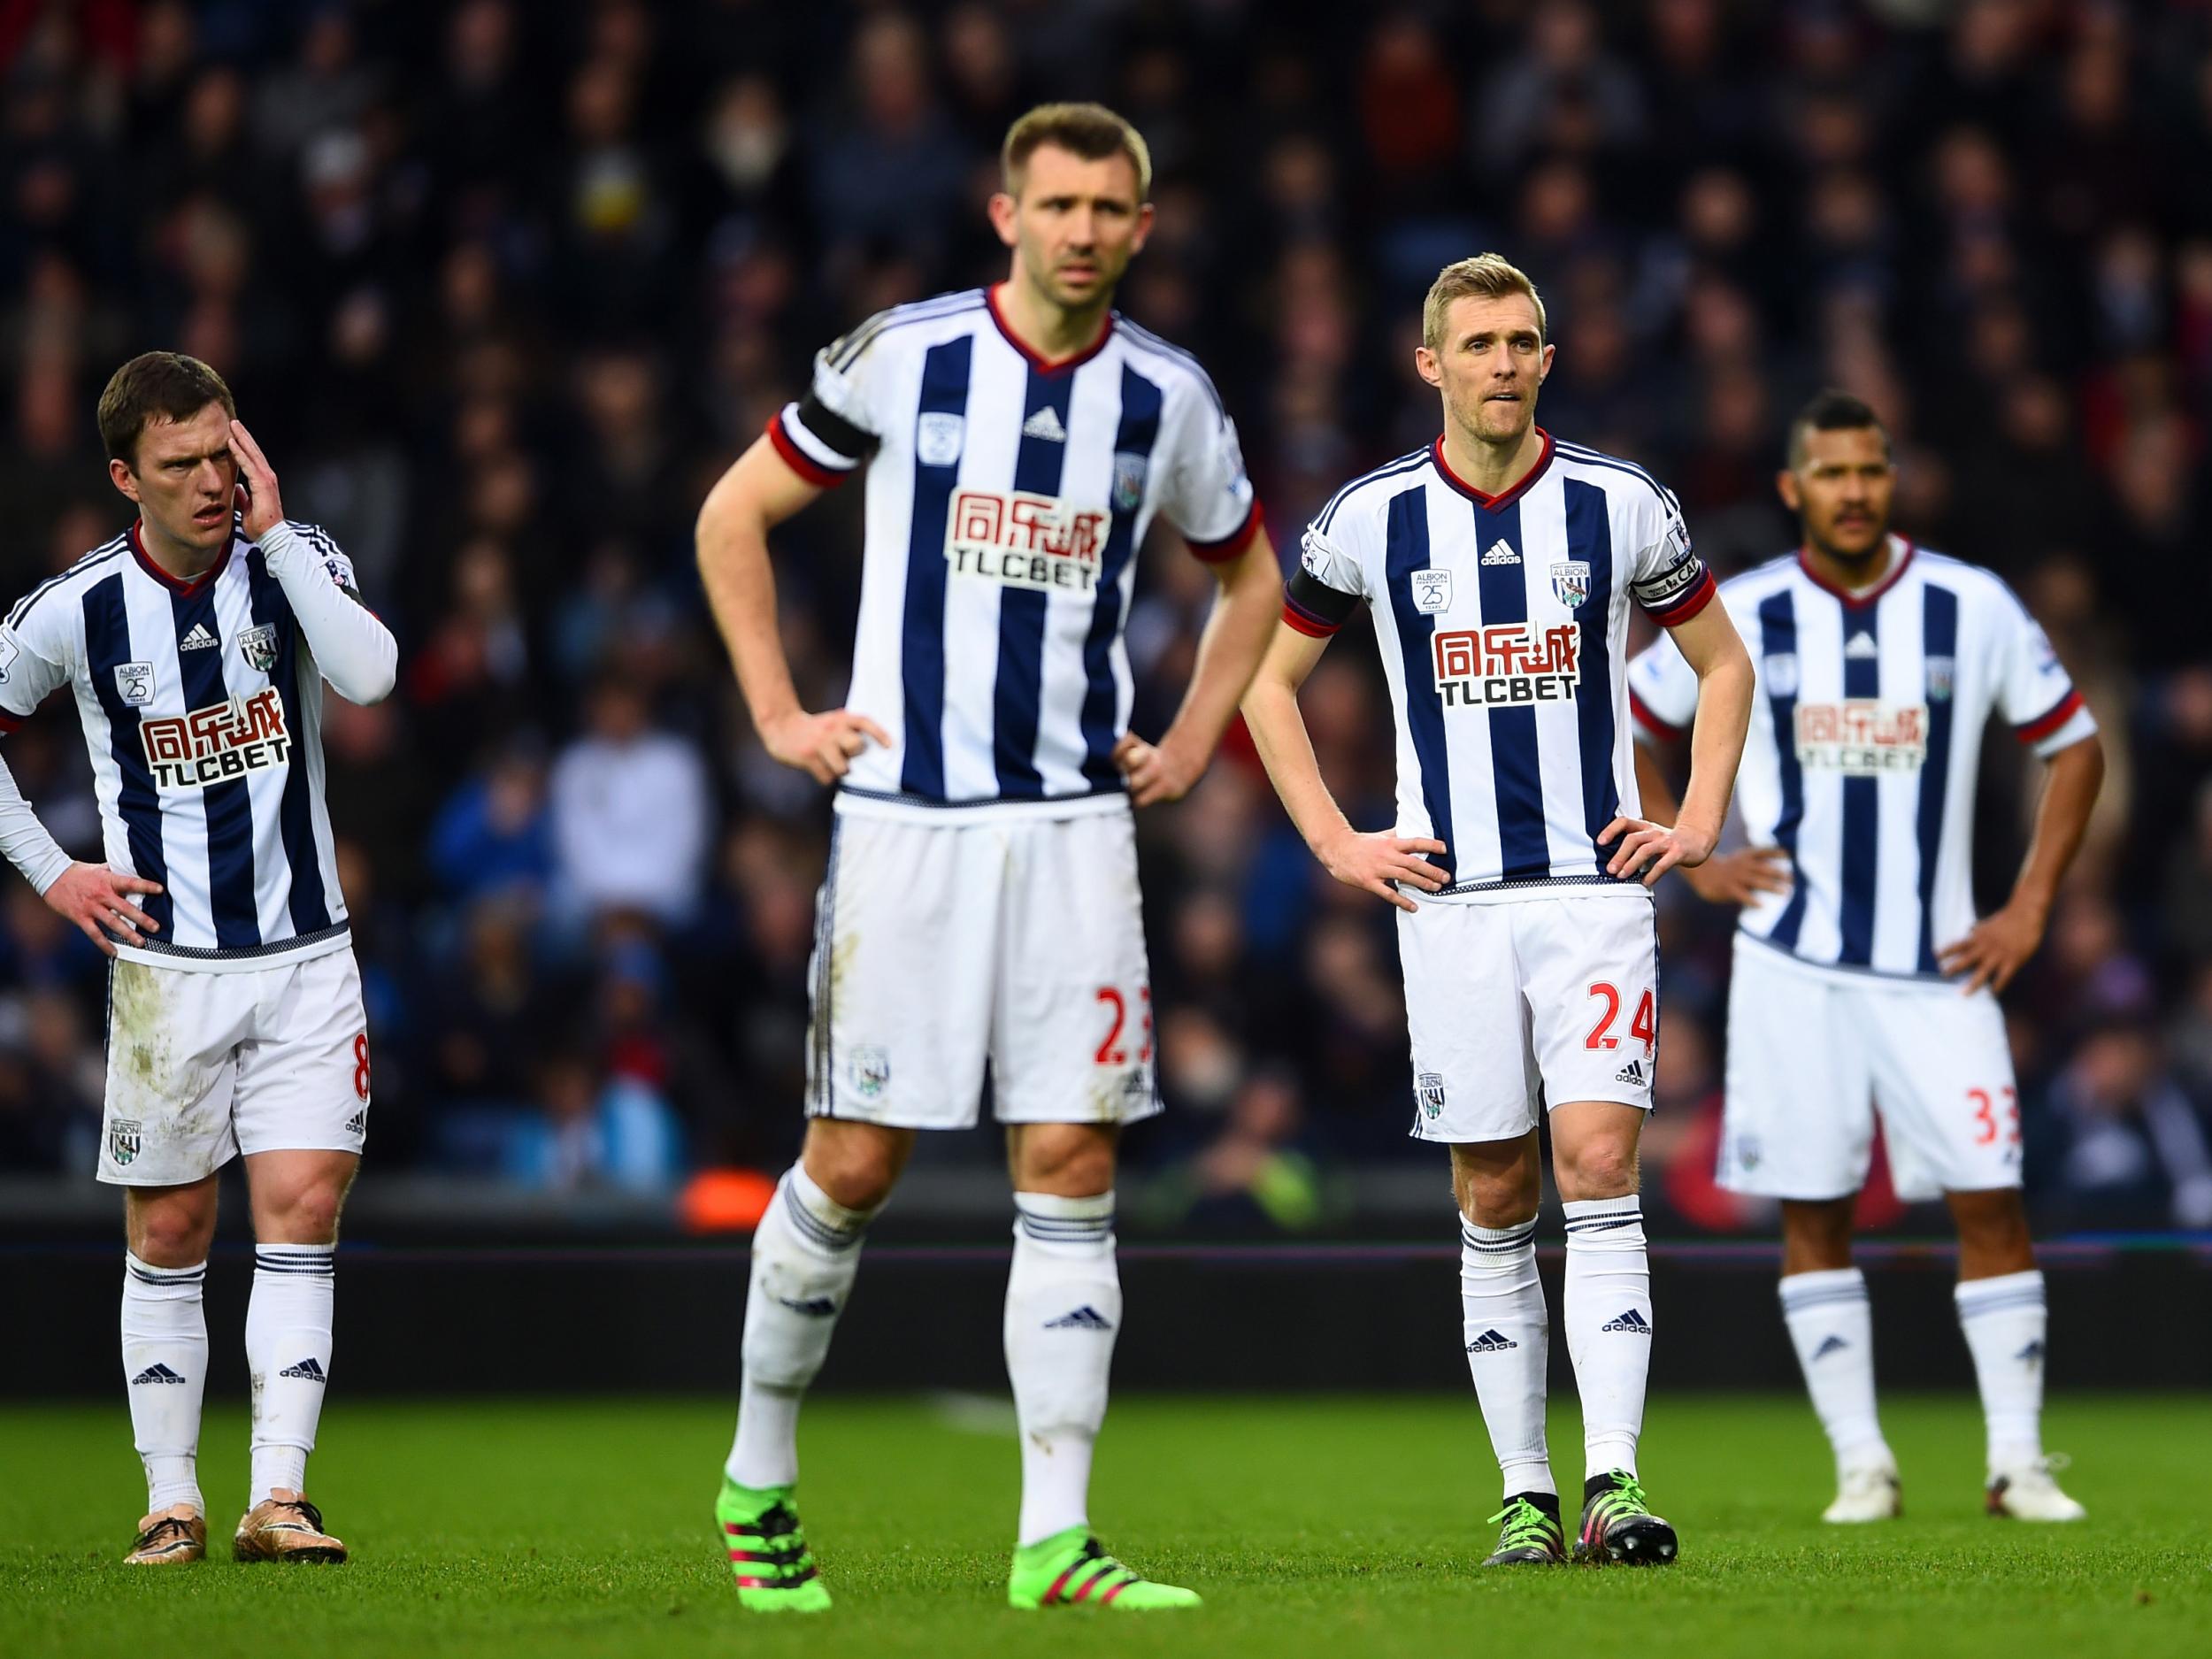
[258,646]
[1942,674]
[1570,581]
[1129,469]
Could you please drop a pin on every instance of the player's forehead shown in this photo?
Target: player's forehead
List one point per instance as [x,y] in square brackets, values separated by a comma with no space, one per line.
[1473,316]
[1845,449]
[1053,170]
[203,432]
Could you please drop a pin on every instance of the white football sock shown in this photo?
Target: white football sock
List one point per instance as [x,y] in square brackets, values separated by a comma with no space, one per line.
[2004,1321]
[806,1253]
[287,1354]
[1509,1347]
[1608,1315]
[1831,1327]
[165,1364]
[1062,1312]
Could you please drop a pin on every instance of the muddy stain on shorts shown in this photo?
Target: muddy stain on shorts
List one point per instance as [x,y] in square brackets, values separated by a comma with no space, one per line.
[141,1037]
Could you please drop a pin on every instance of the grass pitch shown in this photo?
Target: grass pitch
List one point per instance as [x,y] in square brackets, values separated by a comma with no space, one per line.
[1330,1526]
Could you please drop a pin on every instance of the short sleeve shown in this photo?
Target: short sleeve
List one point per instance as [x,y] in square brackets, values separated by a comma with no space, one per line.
[1325,588]
[1668,578]
[35,657]
[828,434]
[1209,495]
[1661,690]
[2034,692]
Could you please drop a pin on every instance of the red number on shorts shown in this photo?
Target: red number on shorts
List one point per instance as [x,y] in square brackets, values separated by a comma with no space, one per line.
[1144,995]
[2012,1113]
[1986,1114]
[361,1066]
[1643,1026]
[1109,1055]
[1597,1038]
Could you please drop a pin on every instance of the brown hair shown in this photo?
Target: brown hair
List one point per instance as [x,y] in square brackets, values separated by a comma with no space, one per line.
[1486,276]
[164,385]
[1089,130]
[1832,411]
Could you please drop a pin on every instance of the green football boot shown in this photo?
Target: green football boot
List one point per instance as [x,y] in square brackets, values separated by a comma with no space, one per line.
[767,1547]
[1070,1569]
[1618,1524]
[1530,1533]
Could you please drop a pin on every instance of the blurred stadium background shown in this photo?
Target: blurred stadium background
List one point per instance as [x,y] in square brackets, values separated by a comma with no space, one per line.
[503,285]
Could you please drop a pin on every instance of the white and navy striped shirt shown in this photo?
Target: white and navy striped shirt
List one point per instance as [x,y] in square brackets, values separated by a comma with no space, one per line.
[1503,622]
[202,705]
[1865,742]
[1007,498]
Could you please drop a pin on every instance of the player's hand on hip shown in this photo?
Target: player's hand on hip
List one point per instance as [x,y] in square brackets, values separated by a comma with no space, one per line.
[1376,861]
[1157,772]
[821,745]
[99,901]
[1652,849]
[257,496]
[1994,948]
[1741,877]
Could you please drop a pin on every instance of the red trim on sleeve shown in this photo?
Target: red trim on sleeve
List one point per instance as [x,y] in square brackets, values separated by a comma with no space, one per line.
[1683,609]
[1661,729]
[2036,730]
[1235,543]
[1313,627]
[798,460]
[10,722]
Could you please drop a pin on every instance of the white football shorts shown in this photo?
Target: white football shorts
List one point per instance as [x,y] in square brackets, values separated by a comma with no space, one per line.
[202,1066]
[1511,1001]
[1813,1055]
[944,941]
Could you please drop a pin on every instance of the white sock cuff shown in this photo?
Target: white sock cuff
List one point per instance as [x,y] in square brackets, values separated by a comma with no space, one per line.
[818,1219]
[1497,1244]
[2006,1293]
[1605,1223]
[302,1261]
[176,1280]
[1086,1224]
[1831,1286]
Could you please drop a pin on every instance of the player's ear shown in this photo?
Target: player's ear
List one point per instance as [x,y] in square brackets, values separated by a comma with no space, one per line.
[1003,210]
[1785,487]
[120,475]
[1426,365]
[1543,368]
[1144,227]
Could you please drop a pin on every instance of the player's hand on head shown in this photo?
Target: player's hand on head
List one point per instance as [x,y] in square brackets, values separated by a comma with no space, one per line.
[1157,772]
[1741,877]
[1383,863]
[100,901]
[1995,949]
[257,496]
[821,745]
[1648,850]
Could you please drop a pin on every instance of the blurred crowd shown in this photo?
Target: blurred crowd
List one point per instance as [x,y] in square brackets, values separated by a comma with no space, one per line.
[501,287]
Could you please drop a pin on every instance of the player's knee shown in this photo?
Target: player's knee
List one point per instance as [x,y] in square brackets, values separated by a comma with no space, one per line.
[1073,1164]
[309,1214]
[1597,1168]
[857,1174]
[173,1234]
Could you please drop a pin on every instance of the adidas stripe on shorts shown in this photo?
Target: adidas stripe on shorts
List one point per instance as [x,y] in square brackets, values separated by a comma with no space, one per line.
[1510,1001]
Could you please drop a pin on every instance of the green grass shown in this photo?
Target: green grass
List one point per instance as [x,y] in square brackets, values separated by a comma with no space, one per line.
[1338,1527]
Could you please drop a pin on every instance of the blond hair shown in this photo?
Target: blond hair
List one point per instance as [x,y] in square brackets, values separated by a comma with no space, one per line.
[1089,130]
[1489,276]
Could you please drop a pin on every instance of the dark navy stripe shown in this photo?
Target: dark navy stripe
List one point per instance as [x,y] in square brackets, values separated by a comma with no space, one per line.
[1019,690]
[1405,550]
[1777,637]
[1861,804]
[1389,469]
[1591,457]
[1516,768]
[107,644]
[1938,637]
[1145,338]
[1140,429]
[114,550]
[922,641]
[309,904]
[1590,538]
[228,805]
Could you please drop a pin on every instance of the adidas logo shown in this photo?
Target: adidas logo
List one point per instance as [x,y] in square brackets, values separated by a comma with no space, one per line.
[1084,1318]
[813,1306]
[2032,1354]
[358,1124]
[1830,1344]
[198,639]
[1500,553]
[1490,1343]
[156,1373]
[1861,646]
[1633,1072]
[306,1371]
[1631,1322]
[1046,425]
